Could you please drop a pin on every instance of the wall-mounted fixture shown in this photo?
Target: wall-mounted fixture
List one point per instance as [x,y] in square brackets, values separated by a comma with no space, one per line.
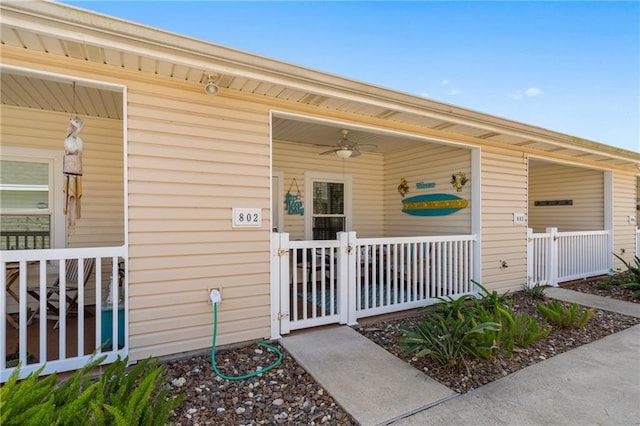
[458,180]
[210,87]
[403,188]
[503,264]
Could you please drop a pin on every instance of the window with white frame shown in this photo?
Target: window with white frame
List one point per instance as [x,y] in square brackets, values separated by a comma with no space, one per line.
[28,186]
[328,200]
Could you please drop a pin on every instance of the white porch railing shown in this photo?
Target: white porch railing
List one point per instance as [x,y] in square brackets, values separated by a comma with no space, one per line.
[638,242]
[30,274]
[554,257]
[323,282]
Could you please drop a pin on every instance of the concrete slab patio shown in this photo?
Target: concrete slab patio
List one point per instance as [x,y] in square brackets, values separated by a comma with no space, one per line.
[595,384]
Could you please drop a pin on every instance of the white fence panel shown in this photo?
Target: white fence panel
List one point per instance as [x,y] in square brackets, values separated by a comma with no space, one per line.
[324,282]
[582,254]
[394,274]
[554,257]
[638,242]
[27,279]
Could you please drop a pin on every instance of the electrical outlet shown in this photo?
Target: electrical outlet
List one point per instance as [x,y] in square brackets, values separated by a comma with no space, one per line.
[218,289]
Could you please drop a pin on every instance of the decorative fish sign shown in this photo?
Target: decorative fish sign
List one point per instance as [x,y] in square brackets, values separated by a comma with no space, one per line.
[433,205]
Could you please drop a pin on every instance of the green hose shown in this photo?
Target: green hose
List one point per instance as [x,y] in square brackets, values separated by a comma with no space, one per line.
[244,376]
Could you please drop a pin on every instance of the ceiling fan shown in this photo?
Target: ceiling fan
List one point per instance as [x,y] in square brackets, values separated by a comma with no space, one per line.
[345,148]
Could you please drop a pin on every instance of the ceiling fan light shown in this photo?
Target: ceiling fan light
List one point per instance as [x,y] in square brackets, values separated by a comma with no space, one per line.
[344,153]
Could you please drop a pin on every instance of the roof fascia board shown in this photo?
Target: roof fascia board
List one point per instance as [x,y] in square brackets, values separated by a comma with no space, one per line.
[76,24]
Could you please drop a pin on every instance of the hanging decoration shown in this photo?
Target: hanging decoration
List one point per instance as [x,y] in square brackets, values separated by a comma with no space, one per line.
[293,202]
[458,180]
[403,188]
[433,205]
[72,169]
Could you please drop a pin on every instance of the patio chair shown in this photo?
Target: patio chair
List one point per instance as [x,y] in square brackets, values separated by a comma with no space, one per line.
[71,288]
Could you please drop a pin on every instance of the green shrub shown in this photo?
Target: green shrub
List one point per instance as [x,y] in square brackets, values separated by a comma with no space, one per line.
[556,313]
[450,332]
[535,291]
[516,329]
[118,397]
[491,299]
[632,276]
[528,330]
[633,269]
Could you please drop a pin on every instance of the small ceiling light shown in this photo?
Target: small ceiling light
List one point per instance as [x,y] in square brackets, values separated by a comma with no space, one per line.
[344,153]
[211,88]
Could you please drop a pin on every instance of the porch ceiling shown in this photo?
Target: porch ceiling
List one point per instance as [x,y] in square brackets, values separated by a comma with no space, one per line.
[62,30]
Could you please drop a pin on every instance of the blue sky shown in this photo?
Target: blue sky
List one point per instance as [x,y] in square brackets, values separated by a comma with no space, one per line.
[571,67]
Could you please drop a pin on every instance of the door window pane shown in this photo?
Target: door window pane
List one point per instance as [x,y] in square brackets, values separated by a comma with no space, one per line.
[328,198]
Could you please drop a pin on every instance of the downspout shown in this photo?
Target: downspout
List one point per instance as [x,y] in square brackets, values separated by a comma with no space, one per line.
[476,212]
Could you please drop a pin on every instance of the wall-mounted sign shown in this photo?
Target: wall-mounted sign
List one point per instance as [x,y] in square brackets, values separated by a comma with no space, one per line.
[553,203]
[293,204]
[425,185]
[247,218]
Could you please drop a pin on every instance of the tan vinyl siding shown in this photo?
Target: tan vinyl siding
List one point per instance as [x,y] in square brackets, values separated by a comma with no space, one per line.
[102,221]
[504,191]
[425,163]
[625,192]
[192,158]
[585,187]
[367,179]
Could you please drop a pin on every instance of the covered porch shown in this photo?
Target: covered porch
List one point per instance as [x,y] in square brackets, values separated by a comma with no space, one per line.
[62,280]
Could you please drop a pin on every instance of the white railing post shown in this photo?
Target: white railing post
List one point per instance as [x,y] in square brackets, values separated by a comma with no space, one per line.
[283,314]
[552,252]
[609,250]
[530,258]
[343,277]
[350,254]
[276,282]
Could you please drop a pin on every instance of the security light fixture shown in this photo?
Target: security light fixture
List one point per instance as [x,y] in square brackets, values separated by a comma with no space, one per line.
[211,88]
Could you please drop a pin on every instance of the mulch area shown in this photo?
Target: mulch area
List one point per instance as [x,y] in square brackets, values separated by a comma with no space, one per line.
[478,372]
[605,287]
[287,394]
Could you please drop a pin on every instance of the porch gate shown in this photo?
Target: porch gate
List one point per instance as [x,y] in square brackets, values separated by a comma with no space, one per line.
[340,281]
[554,257]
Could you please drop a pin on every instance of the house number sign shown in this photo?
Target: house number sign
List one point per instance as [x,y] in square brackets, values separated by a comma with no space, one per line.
[247,218]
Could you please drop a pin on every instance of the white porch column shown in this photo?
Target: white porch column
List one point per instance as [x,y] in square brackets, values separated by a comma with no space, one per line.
[552,260]
[476,212]
[608,215]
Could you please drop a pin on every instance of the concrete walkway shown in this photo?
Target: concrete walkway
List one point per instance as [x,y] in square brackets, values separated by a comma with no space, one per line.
[374,386]
[598,383]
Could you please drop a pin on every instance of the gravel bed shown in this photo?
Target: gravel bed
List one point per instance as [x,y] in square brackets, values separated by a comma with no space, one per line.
[288,395]
[614,291]
[479,372]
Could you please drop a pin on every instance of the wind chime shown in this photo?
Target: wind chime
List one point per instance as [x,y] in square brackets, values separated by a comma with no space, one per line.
[72,168]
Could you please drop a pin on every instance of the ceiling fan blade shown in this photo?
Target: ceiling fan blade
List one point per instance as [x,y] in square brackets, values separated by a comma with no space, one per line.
[368,147]
[329,152]
[355,152]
